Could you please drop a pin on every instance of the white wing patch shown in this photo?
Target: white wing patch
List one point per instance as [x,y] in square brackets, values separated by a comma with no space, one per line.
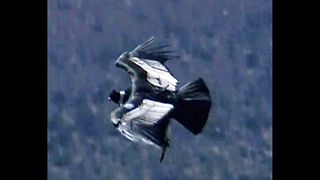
[128,105]
[149,112]
[156,65]
[157,74]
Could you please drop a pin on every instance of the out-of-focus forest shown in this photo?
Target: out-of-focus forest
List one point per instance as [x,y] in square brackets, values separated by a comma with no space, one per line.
[226,42]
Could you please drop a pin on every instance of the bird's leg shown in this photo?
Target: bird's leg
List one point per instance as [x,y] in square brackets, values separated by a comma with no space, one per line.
[163,153]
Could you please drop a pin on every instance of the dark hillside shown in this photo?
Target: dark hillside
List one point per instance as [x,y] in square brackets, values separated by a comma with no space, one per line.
[227,43]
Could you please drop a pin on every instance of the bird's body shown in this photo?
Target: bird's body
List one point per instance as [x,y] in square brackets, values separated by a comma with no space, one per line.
[145,109]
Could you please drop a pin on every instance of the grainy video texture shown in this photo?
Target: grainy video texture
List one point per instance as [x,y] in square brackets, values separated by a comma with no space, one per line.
[227,43]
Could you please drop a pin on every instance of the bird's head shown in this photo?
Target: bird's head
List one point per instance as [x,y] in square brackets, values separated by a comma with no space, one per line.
[114,96]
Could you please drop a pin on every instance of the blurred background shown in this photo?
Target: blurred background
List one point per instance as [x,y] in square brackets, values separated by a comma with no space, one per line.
[226,42]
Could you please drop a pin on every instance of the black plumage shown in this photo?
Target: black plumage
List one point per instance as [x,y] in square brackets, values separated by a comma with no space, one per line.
[146,108]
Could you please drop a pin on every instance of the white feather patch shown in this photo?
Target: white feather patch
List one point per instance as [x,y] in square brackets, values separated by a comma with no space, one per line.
[128,105]
[149,112]
[157,74]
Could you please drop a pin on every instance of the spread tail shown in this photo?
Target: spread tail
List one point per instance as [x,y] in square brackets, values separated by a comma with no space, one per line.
[193,106]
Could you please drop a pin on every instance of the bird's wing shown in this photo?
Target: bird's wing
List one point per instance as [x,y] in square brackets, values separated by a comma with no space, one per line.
[151,56]
[143,120]
[149,112]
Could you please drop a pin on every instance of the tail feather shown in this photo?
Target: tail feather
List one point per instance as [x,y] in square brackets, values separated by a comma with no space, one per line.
[193,106]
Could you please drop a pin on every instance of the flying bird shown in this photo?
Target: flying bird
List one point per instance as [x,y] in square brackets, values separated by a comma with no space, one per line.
[153,100]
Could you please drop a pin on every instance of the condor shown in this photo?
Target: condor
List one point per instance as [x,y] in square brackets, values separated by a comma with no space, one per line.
[146,108]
